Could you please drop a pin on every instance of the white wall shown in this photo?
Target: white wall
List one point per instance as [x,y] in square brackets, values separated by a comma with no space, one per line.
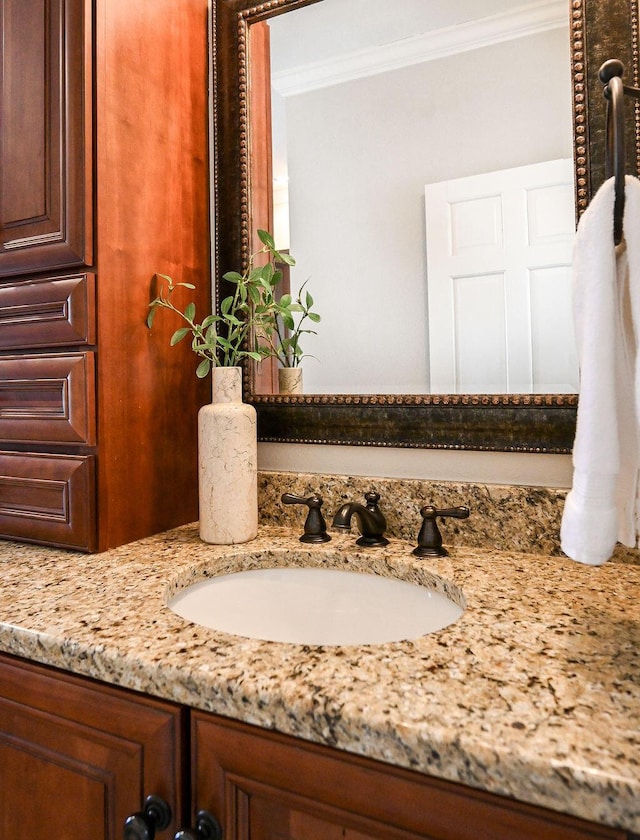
[529,470]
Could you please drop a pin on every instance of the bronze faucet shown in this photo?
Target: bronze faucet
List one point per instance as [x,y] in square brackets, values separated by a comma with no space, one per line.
[370,520]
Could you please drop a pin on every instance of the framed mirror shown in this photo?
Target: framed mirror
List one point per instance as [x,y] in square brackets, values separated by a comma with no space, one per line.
[527,422]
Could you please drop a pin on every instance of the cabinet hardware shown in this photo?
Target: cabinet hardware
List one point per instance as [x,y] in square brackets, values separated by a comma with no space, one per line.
[207,828]
[143,824]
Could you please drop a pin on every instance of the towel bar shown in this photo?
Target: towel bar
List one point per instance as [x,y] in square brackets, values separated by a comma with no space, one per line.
[610,74]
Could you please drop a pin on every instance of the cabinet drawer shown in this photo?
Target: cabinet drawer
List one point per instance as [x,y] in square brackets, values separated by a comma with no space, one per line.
[48,499]
[50,312]
[48,398]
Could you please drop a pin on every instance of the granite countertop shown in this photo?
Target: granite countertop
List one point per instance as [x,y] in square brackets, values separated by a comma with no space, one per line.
[533,693]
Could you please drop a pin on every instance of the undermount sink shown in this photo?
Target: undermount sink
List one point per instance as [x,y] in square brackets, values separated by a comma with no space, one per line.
[315,606]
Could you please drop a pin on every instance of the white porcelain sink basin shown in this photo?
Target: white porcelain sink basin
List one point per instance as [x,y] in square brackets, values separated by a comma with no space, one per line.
[315,606]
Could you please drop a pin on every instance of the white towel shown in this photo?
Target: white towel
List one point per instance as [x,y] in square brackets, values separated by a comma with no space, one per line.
[601,507]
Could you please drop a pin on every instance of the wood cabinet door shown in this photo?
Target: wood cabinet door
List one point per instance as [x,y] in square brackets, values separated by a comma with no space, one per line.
[76,757]
[265,786]
[45,135]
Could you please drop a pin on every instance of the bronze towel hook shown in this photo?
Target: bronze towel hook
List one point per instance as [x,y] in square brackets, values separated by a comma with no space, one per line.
[610,74]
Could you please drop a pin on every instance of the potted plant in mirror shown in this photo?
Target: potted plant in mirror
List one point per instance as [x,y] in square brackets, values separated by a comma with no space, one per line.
[281,321]
[227,442]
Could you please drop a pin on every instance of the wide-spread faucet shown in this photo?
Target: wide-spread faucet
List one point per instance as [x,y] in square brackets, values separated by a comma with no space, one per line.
[370,520]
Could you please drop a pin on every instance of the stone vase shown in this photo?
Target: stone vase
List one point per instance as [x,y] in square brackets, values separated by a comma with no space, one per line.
[290,380]
[227,463]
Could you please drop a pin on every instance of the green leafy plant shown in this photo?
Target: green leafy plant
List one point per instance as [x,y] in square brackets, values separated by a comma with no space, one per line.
[283,329]
[245,316]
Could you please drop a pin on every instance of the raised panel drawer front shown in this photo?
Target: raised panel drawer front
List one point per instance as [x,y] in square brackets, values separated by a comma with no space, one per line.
[48,499]
[48,398]
[48,312]
[45,135]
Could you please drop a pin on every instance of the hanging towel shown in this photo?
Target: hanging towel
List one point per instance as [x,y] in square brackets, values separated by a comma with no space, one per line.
[601,507]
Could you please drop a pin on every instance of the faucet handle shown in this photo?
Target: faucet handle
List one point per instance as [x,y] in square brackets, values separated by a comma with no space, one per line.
[315,528]
[430,538]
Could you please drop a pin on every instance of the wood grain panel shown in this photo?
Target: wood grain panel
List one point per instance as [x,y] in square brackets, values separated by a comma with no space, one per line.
[48,312]
[265,373]
[263,785]
[45,136]
[48,398]
[130,81]
[152,163]
[76,758]
[48,498]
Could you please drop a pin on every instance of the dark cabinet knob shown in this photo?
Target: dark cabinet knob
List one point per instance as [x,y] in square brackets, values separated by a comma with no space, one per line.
[207,828]
[156,815]
[430,538]
[315,528]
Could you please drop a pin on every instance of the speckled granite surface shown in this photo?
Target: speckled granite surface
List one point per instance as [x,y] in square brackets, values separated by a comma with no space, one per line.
[533,693]
[509,518]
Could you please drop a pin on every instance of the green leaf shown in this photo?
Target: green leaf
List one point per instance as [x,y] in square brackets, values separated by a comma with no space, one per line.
[151,315]
[185,285]
[225,306]
[190,311]
[313,316]
[203,368]
[179,335]
[266,239]
[309,300]
[286,300]
[233,277]
[266,272]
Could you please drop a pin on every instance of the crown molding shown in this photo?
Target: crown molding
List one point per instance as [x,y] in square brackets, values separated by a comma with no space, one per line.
[527,20]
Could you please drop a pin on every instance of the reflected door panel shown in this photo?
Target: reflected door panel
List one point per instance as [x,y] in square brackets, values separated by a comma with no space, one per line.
[499,277]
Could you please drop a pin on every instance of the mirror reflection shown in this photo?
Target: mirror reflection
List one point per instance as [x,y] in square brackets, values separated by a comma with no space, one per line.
[423,181]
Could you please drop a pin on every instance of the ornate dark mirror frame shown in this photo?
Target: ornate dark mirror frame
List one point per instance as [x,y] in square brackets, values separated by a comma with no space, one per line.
[517,423]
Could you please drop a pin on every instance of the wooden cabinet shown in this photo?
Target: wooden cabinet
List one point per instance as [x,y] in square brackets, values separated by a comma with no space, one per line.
[48,496]
[103,183]
[77,757]
[49,397]
[48,312]
[45,136]
[264,785]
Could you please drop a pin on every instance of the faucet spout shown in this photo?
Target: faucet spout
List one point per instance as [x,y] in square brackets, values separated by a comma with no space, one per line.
[370,520]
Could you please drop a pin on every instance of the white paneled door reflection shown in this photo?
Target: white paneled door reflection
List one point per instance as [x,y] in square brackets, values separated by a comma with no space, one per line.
[499,281]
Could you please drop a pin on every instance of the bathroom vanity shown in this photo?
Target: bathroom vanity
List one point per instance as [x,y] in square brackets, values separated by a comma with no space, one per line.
[90,749]
[518,720]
